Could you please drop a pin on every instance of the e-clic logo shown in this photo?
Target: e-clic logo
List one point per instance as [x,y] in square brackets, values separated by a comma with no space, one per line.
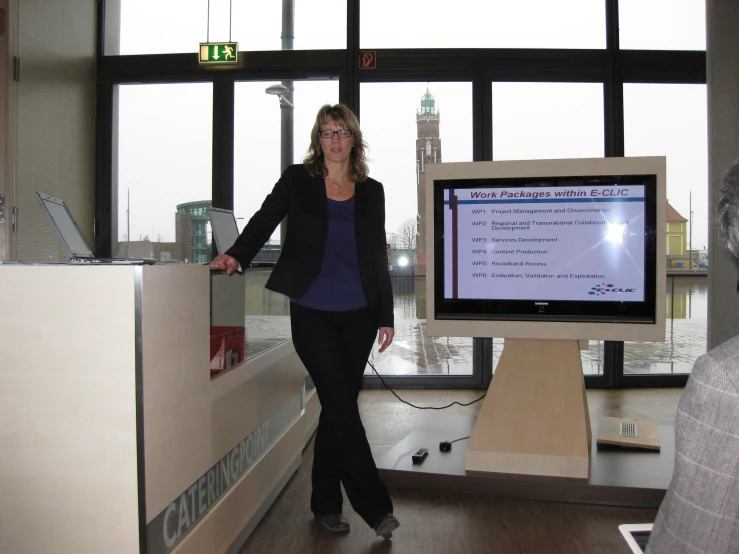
[604,288]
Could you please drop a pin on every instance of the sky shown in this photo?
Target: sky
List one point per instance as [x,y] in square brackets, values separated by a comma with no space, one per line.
[165,130]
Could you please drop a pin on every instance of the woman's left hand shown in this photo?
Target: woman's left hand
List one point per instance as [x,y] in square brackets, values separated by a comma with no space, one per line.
[385,337]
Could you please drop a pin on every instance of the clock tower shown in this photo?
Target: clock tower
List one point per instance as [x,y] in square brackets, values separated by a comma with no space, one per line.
[428,151]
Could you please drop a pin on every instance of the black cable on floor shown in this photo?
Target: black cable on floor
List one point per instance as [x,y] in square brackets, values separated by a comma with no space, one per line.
[422,407]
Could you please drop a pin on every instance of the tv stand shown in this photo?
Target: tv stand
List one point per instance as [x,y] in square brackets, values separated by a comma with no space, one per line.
[534,420]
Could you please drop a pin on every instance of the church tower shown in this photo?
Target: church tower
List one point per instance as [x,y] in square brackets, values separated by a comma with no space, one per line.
[428,151]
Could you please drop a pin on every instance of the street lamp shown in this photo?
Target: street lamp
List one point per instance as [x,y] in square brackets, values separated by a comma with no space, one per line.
[280,91]
[284,93]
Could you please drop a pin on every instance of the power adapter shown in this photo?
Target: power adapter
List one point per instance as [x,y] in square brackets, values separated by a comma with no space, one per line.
[445,446]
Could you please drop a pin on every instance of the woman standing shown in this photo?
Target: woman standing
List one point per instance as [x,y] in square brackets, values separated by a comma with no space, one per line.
[334,268]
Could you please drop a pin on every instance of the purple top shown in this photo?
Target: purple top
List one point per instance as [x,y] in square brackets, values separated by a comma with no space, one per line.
[338,286]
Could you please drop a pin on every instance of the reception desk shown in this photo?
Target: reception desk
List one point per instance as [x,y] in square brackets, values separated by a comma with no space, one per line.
[114,436]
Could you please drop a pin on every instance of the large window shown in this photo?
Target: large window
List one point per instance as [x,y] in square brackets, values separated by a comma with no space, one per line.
[490,24]
[173,26]
[662,24]
[407,126]
[164,171]
[541,81]
[261,120]
[670,120]
[533,121]
[545,121]
[265,125]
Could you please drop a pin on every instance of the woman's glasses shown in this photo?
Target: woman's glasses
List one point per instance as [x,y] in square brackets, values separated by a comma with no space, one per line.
[329,133]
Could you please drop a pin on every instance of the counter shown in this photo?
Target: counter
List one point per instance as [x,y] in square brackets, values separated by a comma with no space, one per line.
[115,437]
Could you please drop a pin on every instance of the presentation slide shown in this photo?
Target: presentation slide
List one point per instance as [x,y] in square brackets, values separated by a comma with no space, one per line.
[545,243]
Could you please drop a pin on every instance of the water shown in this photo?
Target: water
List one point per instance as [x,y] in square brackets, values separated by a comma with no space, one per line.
[685,334]
[413,352]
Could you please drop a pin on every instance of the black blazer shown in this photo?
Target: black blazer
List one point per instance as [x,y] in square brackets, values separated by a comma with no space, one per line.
[303,199]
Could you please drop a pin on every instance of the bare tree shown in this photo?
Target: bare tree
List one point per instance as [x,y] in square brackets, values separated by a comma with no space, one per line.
[405,236]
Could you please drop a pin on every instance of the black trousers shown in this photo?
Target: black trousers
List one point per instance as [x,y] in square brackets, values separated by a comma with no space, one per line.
[334,347]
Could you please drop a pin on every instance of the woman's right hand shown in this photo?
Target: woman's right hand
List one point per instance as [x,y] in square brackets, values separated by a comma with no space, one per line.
[224,261]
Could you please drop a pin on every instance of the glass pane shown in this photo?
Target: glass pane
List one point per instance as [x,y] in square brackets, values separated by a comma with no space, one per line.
[671,120]
[258,145]
[174,26]
[258,139]
[483,24]
[662,24]
[547,120]
[685,335]
[421,121]
[591,355]
[164,171]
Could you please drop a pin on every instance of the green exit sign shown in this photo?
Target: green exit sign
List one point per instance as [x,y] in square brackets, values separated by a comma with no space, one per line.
[218,52]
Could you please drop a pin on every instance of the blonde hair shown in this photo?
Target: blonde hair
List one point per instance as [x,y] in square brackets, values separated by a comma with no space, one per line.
[343,116]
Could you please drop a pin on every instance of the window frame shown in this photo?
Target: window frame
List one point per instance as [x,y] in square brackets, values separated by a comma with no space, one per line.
[611,66]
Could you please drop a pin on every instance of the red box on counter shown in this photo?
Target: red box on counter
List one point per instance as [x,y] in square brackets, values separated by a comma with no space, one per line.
[227,348]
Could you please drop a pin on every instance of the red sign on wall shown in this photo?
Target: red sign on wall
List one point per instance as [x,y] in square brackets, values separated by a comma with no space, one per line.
[368,59]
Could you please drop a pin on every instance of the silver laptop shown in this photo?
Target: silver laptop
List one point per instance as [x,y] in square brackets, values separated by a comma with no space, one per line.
[636,535]
[69,233]
[225,230]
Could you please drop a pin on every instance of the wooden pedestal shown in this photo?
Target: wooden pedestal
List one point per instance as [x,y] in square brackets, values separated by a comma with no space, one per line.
[534,420]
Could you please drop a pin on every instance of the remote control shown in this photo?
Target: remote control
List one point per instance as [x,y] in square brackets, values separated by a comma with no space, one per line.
[420,455]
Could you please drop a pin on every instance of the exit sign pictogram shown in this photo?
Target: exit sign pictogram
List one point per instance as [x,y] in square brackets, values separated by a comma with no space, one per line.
[218,52]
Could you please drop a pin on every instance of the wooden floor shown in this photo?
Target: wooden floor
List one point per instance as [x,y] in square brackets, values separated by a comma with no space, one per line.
[455,523]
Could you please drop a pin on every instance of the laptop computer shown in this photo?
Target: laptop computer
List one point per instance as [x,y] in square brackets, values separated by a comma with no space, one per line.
[225,230]
[636,536]
[75,243]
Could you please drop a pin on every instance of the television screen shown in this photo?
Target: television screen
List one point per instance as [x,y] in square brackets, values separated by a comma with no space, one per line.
[559,247]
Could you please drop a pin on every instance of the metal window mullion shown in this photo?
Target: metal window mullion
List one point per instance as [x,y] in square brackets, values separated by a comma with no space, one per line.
[349,85]
[223,143]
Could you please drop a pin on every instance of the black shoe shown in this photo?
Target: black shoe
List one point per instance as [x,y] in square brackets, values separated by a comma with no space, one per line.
[335,523]
[386,525]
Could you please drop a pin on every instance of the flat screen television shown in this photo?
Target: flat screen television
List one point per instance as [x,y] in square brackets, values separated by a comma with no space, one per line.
[547,248]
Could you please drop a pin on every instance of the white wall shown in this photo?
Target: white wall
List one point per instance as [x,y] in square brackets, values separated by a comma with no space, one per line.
[54,128]
[7,99]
